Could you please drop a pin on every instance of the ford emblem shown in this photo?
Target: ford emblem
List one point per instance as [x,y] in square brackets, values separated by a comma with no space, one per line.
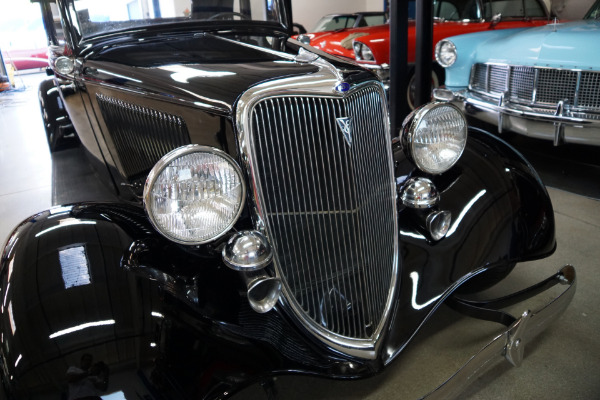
[342,87]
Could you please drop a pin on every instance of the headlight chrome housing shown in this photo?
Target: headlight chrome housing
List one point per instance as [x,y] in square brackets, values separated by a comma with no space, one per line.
[434,137]
[194,194]
[362,52]
[445,53]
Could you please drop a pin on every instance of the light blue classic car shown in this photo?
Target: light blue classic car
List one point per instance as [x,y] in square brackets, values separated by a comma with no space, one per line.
[541,82]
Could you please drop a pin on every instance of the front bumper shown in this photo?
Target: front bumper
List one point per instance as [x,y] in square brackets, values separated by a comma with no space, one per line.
[560,125]
[510,343]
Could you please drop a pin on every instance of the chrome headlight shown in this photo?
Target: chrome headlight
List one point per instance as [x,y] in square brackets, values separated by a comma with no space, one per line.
[434,137]
[64,65]
[194,194]
[445,53]
[362,52]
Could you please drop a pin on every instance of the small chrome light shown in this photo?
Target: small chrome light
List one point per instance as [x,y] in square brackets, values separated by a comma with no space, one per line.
[419,193]
[362,52]
[64,65]
[438,224]
[194,194]
[247,251]
[434,137]
[445,53]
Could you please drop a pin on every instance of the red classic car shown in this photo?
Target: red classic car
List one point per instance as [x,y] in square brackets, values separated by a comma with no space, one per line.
[370,45]
[26,59]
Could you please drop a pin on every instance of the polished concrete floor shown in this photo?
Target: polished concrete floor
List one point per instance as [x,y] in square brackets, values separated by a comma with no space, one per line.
[563,363]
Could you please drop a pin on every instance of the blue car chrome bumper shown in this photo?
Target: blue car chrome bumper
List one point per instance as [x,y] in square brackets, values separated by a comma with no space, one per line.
[560,124]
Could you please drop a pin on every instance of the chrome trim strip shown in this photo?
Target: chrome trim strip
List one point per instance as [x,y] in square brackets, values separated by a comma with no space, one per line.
[320,84]
[531,113]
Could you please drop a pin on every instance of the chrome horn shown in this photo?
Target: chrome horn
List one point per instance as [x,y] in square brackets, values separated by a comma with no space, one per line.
[250,252]
[263,291]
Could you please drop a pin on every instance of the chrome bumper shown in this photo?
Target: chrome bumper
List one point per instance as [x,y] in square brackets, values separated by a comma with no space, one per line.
[510,344]
[559,125]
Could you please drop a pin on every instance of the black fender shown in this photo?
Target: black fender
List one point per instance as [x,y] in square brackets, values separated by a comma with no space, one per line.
[501,215]
[64,295]
[167,321]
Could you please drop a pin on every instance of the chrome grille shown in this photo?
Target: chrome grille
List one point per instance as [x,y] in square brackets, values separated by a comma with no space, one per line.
[555,85]
[479,78]
[141,136]
[589,90]
[521,82]
[328,203]
[538,86]
[497,79]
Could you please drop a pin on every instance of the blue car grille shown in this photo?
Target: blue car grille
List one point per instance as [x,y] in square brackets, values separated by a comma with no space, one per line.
[537,86]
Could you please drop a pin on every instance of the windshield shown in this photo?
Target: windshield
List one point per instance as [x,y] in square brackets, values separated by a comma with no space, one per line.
[332,23]
[594,12]
[105,16]
[459,10]
[335,22]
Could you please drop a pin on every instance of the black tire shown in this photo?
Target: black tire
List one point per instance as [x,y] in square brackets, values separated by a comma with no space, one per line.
[50,107]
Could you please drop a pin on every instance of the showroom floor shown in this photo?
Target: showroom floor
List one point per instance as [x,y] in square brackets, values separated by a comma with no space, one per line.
[562,364]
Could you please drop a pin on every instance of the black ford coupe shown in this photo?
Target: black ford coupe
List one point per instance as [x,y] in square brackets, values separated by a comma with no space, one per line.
[269,223]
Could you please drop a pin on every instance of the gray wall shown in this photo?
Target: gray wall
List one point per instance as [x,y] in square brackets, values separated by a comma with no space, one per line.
[571,9]
[308,12]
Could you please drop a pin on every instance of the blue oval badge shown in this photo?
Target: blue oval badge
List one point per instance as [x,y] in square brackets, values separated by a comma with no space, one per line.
[342,87]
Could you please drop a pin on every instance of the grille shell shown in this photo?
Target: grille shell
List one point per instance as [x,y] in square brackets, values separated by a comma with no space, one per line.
[328,206]
[536,86]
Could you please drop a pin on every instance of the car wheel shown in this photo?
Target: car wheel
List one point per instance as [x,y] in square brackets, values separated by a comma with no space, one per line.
[48,107]
[411,89]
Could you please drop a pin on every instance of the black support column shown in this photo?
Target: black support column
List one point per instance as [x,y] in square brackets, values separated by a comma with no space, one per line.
[423,62]
[398,63]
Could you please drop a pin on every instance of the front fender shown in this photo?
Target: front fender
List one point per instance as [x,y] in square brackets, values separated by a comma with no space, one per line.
[501,215]
[64,294]
[168,321]
[467,46]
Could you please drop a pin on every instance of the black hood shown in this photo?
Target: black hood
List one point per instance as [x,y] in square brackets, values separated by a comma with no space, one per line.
[204,70]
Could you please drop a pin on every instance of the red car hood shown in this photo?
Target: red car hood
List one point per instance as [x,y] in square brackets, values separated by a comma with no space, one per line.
[339,42]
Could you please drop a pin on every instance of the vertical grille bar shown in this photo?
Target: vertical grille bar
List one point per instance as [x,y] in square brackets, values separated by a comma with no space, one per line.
[328,205]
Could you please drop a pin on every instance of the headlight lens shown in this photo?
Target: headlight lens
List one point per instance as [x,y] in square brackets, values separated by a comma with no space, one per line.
[194,194]
[362,52]
[434,137]
[64,65]
[445,53]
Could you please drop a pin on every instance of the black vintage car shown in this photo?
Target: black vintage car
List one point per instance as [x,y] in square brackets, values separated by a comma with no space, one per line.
[269,223]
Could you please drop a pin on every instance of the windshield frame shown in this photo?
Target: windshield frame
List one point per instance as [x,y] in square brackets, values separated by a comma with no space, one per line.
[595,8]
[77,40]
